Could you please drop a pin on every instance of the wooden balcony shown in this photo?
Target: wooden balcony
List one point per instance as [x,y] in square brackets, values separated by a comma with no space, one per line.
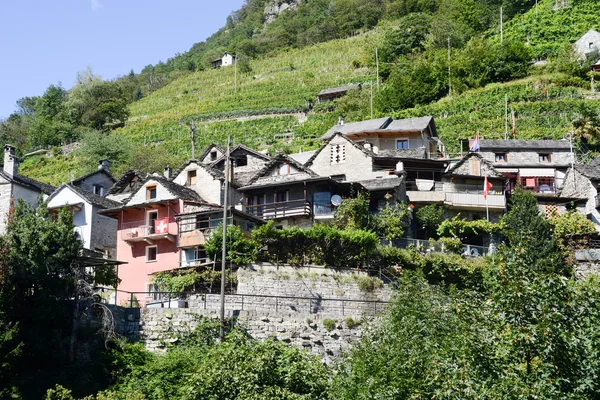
[133,232]
[284,209]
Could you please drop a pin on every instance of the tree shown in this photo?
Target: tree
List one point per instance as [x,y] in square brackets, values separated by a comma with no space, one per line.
[240,250]
[392,221]
[353,213]
[429,219]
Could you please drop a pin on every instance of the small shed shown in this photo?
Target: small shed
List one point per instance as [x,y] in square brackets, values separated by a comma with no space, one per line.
[588,44]
[224,61]
[334,93]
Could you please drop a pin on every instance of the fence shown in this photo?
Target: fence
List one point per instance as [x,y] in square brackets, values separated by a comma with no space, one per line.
[429,246]
[252,302]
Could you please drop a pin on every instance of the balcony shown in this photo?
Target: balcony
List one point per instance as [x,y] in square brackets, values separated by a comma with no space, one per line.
[195,229]
[140,231]
[425,191]
[284,209]
[475,201]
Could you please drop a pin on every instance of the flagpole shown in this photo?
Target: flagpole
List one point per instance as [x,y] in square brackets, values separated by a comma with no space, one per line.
[487,210]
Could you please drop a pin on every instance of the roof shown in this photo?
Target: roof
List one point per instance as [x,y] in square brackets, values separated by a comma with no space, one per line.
[355,127]
[28,182]
[278,159]
[482,160]
[512,144]
[381,183]
[101,170]
[302,157]
[213,171]
[207,151]
[385,125]
[179,191]
[125,179]
[420,153]
[590,171]
[92,198]
[366,152]
[340,89]
[237,148]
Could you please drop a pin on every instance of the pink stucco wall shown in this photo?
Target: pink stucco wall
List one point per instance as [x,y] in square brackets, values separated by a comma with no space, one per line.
[136,273]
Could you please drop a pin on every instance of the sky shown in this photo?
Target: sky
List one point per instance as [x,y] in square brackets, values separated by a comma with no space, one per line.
[45,42]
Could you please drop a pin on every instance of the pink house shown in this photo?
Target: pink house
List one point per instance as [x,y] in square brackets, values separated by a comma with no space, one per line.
[147,229]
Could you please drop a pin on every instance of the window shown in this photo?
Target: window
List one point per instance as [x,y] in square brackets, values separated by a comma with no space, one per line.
[241,161]
[151,192]
[590,45]
[151,253]
[152,291]
[191,178]
[544,157]
[213,156]
[337,153]
[151,217]
[282,169]
[339,178]
[500,157]
[280,197]
[98,189]
[402,144]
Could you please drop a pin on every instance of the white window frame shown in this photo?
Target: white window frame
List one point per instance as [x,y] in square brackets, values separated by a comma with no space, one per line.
[98,189]
[150,228]
[150,247]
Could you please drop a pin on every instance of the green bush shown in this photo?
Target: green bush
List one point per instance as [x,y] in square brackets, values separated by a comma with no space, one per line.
[329,324]
[368,284]
[351,323]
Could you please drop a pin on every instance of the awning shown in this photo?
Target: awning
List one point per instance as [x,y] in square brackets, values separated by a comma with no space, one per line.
[537,172]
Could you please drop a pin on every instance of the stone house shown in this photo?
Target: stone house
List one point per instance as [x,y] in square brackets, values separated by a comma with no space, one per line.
[98,181]
[225,61]
[14,187]
[335,93]
[588,44]
[387,134]
[212,153]
[126,186]
[291,194]
[583,182]
[204,180]
[539,166]
[97,232]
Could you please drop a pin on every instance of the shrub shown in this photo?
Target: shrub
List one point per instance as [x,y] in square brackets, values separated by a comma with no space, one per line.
[429,219]
[329,324]
[351,323]
[368,284]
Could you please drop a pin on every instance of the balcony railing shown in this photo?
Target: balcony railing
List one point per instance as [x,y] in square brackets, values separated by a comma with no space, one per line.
[139,231]
[284,209]
[472,200]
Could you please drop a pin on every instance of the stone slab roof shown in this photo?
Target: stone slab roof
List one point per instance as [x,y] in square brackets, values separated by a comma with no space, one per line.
[381,183]
[419,153]
[29,182]
[340,89]
[512,144]
[92,198]
[493,171]
[217,174]
[303,157]
[590,171]
[356,127]
[97,171]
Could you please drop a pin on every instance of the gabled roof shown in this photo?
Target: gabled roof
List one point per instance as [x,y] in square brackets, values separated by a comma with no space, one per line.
[238,148]
[212,171]
[28,182]
[179,191]
[92,198]
[125,179]
[590,171]
[97,171]
[281,158]
[207,151]
[412,125]
[419,153]
[302,157]
[488,164]
[366,152]
[356,127]
[341,89]
[513,144]
[381,183]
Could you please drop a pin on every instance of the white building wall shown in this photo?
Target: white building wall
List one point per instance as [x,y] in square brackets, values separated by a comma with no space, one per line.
[161,194]
[5,202]
[81,219]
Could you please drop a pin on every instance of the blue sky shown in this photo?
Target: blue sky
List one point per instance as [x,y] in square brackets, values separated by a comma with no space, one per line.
[44,42]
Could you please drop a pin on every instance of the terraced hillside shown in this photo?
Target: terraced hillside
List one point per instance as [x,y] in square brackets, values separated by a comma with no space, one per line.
[542,110]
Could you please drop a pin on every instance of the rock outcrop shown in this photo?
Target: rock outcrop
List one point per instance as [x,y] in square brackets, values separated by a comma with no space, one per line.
[276,7]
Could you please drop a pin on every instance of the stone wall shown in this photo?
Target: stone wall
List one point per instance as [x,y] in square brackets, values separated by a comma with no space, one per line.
[314,308]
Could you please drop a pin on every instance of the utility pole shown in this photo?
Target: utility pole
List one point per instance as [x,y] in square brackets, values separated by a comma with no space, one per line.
[449,71]
[377,64]
[501,29]
[193,134]
[224,249]
[371,84]
[235,61]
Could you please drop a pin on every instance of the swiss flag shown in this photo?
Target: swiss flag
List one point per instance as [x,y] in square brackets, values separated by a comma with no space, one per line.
[161,226]
[487,186]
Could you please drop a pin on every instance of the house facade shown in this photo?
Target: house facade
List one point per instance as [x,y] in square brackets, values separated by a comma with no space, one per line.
[588,44]
[14,187]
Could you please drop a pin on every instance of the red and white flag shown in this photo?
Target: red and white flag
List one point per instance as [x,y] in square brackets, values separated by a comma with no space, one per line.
[161,226]
[487,186]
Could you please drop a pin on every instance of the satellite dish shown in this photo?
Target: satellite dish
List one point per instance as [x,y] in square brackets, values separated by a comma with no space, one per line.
[336,200]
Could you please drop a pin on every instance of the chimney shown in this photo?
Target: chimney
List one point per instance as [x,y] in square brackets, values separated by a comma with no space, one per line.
[104,164]
[168,172]
[11,163]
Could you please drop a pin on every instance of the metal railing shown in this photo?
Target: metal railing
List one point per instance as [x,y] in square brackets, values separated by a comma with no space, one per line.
[205,225]
[292,208]
[139,229]
[253,302]
[429,246]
